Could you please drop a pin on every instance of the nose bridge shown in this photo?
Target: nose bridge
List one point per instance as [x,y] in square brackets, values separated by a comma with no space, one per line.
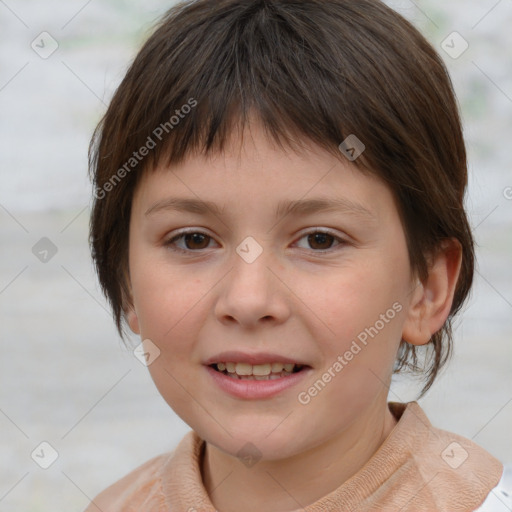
[251,291]
[250,276]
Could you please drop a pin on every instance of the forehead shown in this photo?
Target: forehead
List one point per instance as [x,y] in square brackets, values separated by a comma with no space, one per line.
[254,173]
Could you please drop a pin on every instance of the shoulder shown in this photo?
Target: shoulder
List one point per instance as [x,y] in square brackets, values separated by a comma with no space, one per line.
[500,498]
[454,473]
[136,486]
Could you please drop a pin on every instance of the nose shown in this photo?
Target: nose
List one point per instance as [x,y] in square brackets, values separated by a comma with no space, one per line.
[252,294]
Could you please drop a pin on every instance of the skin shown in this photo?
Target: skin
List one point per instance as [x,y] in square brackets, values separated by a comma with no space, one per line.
[301,298]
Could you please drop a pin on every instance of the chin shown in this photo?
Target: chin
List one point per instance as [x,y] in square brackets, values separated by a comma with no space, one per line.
[253,444]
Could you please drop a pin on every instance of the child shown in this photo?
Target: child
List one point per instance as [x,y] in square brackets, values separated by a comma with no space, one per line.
[313,151]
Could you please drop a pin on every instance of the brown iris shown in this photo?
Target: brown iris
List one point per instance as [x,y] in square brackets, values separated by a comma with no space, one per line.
[321,239]
[196,241]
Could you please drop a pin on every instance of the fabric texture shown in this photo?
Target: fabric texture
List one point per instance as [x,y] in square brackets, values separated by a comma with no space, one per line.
[500,498]
[418,468]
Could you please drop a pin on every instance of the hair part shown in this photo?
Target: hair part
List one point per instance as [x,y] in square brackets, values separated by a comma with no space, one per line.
[315,70]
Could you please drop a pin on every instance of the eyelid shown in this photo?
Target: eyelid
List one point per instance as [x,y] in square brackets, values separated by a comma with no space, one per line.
[319,229]
[186,231]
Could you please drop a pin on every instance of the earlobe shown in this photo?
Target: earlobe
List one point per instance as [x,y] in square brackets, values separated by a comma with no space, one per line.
[432,299]
[132,320]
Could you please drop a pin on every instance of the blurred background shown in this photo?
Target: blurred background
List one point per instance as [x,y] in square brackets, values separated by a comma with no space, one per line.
[66,379]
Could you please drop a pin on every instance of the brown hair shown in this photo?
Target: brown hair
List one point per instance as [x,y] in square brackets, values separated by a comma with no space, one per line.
[315,70]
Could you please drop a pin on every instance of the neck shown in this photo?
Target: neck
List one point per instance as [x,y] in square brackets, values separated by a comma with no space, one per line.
[299,481]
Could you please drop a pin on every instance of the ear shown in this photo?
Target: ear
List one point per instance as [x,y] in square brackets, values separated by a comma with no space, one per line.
[133,320]
[128,307]
[432,299]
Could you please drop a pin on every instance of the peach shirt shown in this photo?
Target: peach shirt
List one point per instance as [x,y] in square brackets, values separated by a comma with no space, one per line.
[418,468]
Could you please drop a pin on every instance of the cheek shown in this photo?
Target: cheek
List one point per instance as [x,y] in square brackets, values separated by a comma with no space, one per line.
[364,311]
[167,308]
[349,302]
[165,302]
[365,317]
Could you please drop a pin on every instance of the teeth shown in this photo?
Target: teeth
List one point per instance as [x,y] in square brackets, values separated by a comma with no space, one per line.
[265,371]
[261,369]
[243,369]
[272,376]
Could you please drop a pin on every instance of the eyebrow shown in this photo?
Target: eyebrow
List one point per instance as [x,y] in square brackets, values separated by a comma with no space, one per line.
[185,205]
[300,207]
[309,206]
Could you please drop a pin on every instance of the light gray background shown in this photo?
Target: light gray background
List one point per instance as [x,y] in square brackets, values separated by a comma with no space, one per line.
[65,378]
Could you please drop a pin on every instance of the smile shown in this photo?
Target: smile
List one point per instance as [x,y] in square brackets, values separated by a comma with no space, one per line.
[256,382]
[267,371]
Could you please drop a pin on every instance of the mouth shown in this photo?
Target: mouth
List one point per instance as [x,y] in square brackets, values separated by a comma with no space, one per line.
[256,376]
[260,372]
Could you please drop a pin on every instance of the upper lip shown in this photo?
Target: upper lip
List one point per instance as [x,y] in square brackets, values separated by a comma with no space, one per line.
[255,358]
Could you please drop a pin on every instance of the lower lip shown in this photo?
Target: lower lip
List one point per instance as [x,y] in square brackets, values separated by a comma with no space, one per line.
[255,389]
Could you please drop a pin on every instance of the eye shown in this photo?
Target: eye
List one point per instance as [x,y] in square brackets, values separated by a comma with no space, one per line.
[321,240]
[191,241]
[195,241]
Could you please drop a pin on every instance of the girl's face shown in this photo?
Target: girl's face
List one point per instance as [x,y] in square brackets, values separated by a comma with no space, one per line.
[263,257]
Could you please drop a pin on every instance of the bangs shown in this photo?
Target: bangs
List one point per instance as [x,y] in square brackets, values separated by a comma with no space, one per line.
[246,60]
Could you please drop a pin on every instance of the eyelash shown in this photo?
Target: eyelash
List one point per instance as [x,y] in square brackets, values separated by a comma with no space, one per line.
[171,242]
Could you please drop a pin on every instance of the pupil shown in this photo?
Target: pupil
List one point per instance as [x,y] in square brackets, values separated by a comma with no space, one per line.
[321,239]
[195,238]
